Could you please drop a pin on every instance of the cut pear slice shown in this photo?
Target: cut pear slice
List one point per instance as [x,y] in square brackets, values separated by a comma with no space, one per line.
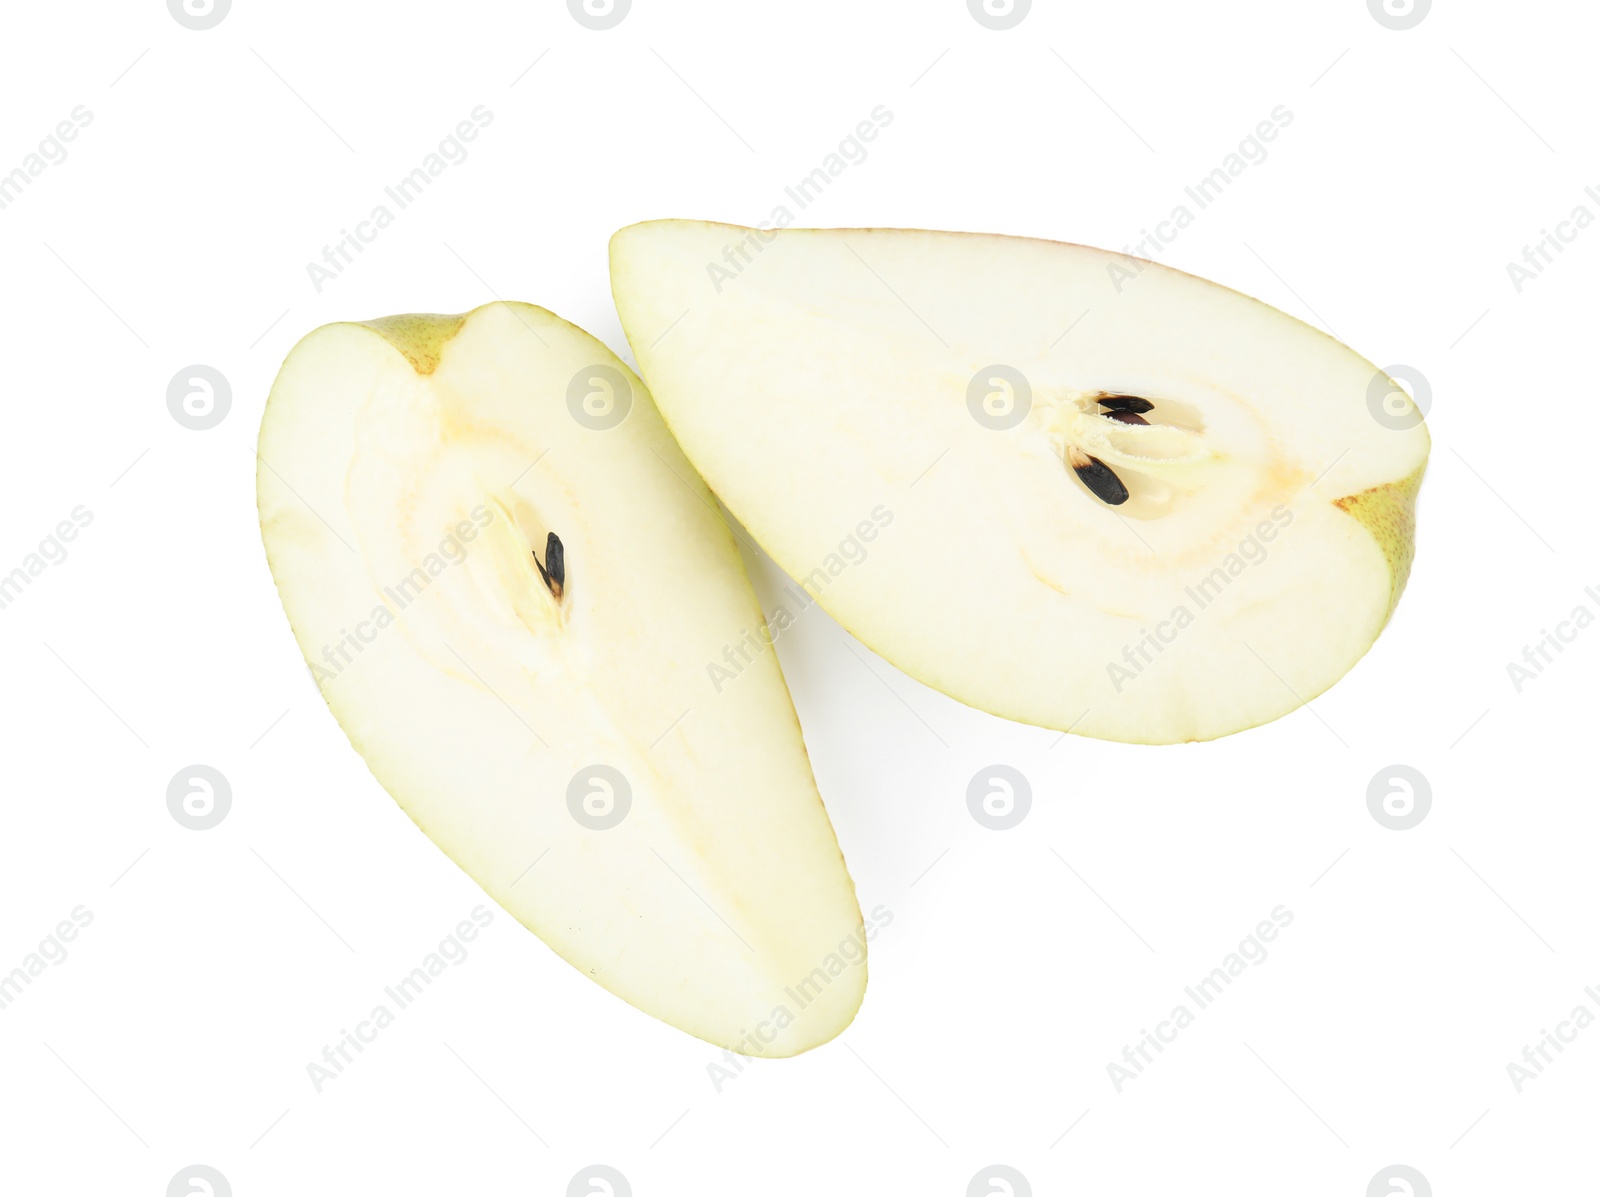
[510,584]
[1125,502]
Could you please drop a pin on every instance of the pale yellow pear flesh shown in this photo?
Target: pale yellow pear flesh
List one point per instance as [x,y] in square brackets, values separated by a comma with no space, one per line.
[410,469]
[816,376]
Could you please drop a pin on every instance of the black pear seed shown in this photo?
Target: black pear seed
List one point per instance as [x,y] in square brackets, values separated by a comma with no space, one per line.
[557,558]
[555,575]
[1102,483]
[1131,403]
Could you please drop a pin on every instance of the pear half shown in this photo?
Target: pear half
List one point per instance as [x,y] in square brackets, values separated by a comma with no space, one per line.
[1110,497]
[509,585]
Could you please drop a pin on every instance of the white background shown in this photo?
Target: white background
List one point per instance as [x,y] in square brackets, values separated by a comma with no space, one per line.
[177,231]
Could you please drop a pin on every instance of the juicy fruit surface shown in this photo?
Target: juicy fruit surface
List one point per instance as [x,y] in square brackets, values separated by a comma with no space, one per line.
[1175,568]
[409,471]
